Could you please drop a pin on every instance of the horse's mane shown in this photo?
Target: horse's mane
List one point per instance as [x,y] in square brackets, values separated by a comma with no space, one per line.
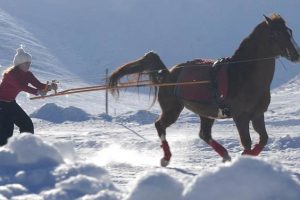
[248,48]
[248,43]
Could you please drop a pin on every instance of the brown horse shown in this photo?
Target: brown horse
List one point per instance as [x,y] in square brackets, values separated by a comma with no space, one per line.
[250,72]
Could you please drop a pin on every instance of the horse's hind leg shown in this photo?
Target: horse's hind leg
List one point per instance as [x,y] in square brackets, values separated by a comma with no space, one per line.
[171,109]
[205,134]
[258,124]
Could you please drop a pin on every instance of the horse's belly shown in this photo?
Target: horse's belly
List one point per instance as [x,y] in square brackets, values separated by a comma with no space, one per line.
[209,111]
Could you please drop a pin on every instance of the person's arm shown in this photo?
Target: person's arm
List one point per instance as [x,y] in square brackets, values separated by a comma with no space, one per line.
[24,87]
[35,82]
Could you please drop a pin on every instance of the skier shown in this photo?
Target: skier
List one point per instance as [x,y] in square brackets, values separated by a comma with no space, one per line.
[16,79]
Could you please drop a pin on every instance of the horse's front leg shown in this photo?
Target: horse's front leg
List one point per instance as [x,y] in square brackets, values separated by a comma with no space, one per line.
[259,126]
[205,134]
[242,123]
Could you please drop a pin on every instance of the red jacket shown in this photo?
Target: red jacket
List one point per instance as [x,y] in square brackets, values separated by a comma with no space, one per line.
[17,80]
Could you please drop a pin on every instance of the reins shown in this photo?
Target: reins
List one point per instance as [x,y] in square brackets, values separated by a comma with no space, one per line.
[142,83]
[207,65]
[103,76]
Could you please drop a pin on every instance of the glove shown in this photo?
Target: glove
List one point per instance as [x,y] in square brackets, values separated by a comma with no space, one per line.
[42,92]
[52,86]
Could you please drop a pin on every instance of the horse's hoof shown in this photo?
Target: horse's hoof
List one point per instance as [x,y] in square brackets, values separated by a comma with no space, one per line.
[164,162]
[253,152]
[226,158]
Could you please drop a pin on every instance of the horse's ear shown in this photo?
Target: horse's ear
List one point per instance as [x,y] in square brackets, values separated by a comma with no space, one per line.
[268,19]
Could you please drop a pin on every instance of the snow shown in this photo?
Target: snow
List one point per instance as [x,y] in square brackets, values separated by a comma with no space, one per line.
[53,113]
[156,185]
[246,178]
[139,117]
[80,152]
[31,166]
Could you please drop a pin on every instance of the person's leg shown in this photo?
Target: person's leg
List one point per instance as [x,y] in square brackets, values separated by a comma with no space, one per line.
[6,124]
[22,120]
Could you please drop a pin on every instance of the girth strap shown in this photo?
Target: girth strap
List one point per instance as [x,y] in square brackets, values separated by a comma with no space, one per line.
[220,64]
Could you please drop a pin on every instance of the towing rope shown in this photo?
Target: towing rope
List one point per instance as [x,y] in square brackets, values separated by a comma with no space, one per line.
[120,86]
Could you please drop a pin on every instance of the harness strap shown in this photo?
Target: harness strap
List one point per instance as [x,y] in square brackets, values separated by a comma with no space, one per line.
[219,98]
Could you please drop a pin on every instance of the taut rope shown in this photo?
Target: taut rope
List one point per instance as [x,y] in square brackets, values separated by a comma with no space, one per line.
[120,86]
[142,83]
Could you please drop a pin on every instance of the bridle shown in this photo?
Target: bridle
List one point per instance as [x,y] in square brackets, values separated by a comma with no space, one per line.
[275,34]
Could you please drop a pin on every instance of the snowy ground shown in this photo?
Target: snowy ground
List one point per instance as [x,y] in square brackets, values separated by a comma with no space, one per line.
[113,147]
[118,158]
[132,129]
[113,158]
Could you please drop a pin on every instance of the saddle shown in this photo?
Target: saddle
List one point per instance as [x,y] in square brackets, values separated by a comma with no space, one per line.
[212,93]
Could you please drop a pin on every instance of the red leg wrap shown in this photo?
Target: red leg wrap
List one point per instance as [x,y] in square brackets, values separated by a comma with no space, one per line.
[255,151]
[167,153]
[218,148]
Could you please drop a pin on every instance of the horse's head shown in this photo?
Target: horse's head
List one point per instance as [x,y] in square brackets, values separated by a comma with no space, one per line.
[281,38]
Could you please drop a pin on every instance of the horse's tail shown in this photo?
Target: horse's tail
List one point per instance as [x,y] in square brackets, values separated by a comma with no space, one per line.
[150,64]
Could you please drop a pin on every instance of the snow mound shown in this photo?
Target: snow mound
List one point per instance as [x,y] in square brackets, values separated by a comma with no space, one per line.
[25,151]
[53,113]
[286,142]
[246,178]
[105,117]
[139,117]
[104,195]
[156,185]
[33,169]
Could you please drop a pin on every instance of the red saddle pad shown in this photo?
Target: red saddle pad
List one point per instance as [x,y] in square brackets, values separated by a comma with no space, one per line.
[200,70]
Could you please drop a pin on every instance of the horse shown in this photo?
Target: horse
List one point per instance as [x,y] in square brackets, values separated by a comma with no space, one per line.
[249,70]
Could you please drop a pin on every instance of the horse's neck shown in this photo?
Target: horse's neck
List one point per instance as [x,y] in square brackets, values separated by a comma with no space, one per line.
[252,62]
[253,48]
[256,45]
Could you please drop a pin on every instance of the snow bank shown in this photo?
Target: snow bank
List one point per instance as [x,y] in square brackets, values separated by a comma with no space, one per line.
[156,185]
[53,113]
[139,117]
[33,169]
[247,179]
[105,117]
[286,142]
